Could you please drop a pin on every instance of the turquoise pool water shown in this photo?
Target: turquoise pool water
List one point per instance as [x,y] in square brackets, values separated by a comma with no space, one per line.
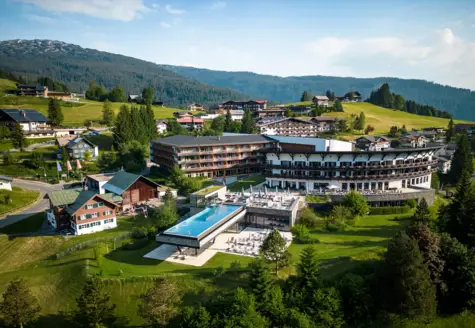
[202,221]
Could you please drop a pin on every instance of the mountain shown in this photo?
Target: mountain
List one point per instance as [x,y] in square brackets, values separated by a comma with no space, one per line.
[77,66]
[459,102]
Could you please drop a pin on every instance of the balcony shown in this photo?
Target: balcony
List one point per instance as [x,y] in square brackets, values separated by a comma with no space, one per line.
[219,167]
[396,176]
[354,167]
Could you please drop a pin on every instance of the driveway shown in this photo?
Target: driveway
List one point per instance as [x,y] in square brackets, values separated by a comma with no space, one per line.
[40,206]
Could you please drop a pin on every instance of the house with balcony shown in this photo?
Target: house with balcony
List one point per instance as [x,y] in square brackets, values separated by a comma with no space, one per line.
[77,147]
[191,123]
[33,90]
[372,143]
[195,107]
[413,141]
[31,121]
[320,101]
[162,126]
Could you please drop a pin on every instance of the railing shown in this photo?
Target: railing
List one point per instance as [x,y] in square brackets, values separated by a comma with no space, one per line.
[219,167]
[361,177]
[360,167]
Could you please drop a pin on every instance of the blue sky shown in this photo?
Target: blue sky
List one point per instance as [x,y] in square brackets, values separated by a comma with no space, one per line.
[427,39]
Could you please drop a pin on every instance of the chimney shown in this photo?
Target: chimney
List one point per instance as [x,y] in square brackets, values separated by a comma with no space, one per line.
[22,113]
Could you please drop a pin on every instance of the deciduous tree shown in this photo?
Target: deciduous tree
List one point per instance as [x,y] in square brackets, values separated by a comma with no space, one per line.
[5,132]
[356,203]
[18,307]
[147,96]
[369,129]
[117,94]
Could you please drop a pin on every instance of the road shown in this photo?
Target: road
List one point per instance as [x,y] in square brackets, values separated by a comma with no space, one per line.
[40,206]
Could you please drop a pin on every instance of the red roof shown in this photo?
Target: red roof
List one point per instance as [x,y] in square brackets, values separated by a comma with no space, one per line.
[190,120]
[261,101]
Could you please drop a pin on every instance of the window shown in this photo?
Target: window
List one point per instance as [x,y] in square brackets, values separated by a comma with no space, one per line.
[108,221]
[109,212]
[89,206]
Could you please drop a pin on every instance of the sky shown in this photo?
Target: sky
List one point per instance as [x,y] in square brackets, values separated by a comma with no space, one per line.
[424,39]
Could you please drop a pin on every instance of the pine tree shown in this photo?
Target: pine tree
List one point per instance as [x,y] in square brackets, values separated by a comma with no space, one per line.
[19,307]
[242,312]
[337,106]
[274,250]
[123,127]
[361,121]
[138,132]
[18,137]
[55,113]
[5,132]
[108,114]
[307,270]
[94,305]
[147,96]
[228,122]
[422,213]
[195,317]
[158,304]
[462,160]
[325,308]
[248,124]
[409,288]
[306,96]
[450,131]
[260,281]
[151,125]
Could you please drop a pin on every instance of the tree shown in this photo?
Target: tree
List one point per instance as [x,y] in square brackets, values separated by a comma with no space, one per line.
[133,156]
[19,307]
[337,106]
[462,160]
[117,95]
[195,317]
[458,275]
[399,102]
[87,156]
[18,137]
[260,282]
[242,312]
[218,124]
[356,203]
[339,214]
[422,213]
[342,125]
[108,114]
[123,129]
[325,308]
[306,96]
[435,181]
[177,176]
[5,132]
[307,271]
[159,304]
[36,159]
[228,122]
[296,319]
[248,124]
[360,122]
[168,196]
[408,287]
[94,306]
[166,215]
[308,218]
[300,232]
[369,129]
[55,113]
[147,96]
[96,92]
[288,112]
[356,299]
[8,158]
[274,250]
[330,94]
[450,131]
[429,246]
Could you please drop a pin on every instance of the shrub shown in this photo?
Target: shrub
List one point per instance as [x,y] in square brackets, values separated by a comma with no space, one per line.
[307,239]
[308,218]
[390,210]
[300,231]
[219,271]
[412,203]
[356,203]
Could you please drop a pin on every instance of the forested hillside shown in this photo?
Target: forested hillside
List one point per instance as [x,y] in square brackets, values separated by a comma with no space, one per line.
[77,66]
[459,102]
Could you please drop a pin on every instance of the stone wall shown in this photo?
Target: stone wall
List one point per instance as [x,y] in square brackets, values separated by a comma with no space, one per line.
[428,194]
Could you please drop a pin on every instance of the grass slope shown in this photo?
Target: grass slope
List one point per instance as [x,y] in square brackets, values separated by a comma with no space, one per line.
[18,198]
[90,111]
[382,118]
[7,85]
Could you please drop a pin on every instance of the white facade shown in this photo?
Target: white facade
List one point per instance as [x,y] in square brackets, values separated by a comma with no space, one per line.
[51,219]
[309,177]
[96,226]
[161,128]
[5,185]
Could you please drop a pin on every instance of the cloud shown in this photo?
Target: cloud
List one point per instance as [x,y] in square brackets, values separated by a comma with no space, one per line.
[40,19]
[174,11]
[441,56]
[218,5]
[123,10]
[165,25]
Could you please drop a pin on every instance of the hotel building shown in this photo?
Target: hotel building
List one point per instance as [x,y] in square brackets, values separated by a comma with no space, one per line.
[209,156]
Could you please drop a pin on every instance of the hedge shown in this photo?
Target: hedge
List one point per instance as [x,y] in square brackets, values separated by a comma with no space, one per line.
[389,210]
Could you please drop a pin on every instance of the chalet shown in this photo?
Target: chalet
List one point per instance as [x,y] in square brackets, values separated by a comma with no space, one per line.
[194,107]
[182,114]
[352,96]
[270,112]
[134,98]
[82,211]
[78,147]
[30,120]
[436,130]
[324,123]
[191,123]
[413,141]
[300,109]
[320,101]
[5,182]
[60,95]
[372,143]
[252,105]
[236,114]
[162,126]
[287,126]
[32,90]
[68,132]
[132,188]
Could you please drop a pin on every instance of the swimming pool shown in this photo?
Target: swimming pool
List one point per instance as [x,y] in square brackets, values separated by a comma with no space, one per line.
[197,224]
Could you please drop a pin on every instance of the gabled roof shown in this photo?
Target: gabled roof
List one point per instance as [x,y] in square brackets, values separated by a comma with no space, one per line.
[77,140]
[322,98]
[5,178]
[133,97]
[161,122]
[122,181]
[189,120]
[282,119]
[373,138]
[83,197]
[24,115]
[63,197]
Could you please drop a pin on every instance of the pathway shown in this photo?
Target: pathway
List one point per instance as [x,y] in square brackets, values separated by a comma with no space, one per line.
[37,207]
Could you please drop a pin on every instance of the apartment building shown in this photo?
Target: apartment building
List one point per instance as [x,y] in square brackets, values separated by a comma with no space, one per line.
[209,156]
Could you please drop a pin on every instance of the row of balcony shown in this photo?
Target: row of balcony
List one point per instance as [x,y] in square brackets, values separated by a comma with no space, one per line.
[218,167]
[395,176]
[212,160]
[346,167]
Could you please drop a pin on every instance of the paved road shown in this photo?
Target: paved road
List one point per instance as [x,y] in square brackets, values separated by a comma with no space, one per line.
[40,206]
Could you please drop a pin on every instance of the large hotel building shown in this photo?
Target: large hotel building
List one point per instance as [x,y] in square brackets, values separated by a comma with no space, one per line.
[306,164]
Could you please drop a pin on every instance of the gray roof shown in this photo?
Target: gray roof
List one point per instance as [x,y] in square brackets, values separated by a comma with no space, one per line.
[78,140]
[122,181]
[297,140]
[5,178]
[24,115]
[189,141]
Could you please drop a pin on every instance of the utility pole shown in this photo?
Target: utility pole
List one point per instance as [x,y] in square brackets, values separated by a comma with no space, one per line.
[44,171]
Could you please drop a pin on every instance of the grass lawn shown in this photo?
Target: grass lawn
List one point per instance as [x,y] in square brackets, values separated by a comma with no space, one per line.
[382,118]
[88,111]
[315,199]
[6,85]
[103,141]
[18,198]
[252,180]
[208,190]
[31,224]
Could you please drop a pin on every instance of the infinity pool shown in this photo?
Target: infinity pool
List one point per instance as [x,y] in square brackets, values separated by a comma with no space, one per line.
[195,225]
